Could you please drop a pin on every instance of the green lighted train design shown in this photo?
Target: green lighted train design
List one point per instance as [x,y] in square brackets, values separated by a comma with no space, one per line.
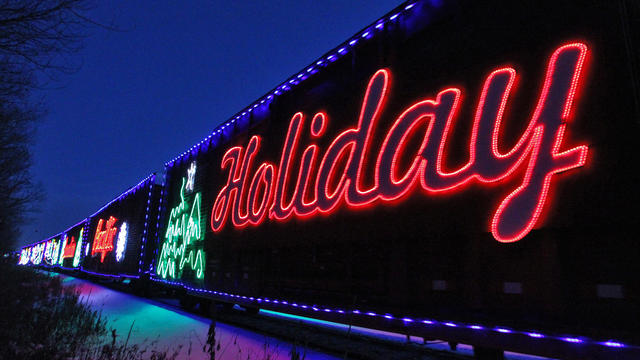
[442,173]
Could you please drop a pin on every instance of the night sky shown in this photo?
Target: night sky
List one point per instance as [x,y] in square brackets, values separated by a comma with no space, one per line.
[148,92]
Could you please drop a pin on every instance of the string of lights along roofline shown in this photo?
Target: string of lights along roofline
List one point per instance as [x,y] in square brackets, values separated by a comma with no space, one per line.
[369,32]
[134,188]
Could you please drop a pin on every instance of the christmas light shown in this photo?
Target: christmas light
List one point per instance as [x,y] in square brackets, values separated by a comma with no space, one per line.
[69,248]
[537,154]
[76,255]
[103,239]
[122,242]
[52,251]
[191,174]
[64,246]
[37,253]
[182,238]
[25,255]
[283,304]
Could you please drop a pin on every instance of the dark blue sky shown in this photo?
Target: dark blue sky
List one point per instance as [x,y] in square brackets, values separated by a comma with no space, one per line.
[145,94]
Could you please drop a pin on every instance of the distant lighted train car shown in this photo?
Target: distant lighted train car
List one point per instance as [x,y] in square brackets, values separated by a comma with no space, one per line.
[74,240]
[118,233]
[32,254]
[459,170]
[51,255]
[44,253]
[25,255]
[61,250]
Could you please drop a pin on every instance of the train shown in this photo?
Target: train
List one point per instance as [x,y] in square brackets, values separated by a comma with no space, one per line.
[456,170]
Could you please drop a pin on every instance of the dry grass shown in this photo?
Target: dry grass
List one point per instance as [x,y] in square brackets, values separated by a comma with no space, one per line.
[42,319]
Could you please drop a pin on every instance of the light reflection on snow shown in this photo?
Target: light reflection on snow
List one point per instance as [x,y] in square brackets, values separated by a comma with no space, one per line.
[168,328]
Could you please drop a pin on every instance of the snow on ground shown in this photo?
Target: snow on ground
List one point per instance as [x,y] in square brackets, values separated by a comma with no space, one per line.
[161,327]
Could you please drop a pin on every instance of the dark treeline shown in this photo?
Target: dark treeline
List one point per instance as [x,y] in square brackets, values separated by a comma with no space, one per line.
[36,39]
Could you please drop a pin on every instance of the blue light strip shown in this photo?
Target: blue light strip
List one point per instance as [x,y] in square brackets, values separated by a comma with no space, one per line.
[124,194]
[160,202]
[305,318]
[146,223]
[405,320]
[149,180]
[76,224]
[85,240]
[341,50]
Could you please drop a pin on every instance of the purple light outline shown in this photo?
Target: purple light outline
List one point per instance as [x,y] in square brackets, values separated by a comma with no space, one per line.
[407,321]
[148,181]
[160,210]
[503,330]
[125,194]
[574,340]
[613,344]
[72,226]
[143,242]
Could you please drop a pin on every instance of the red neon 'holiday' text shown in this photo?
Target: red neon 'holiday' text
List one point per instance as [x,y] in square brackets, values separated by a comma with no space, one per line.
[103,239]
[275,192]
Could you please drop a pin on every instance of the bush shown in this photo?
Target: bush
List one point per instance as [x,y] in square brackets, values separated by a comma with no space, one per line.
[41,319]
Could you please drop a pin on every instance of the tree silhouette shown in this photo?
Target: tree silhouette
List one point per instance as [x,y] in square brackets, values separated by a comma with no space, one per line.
[37,38]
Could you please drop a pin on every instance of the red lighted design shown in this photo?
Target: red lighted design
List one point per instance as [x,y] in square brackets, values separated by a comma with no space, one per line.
[328,180]
[103,239]
[69,249]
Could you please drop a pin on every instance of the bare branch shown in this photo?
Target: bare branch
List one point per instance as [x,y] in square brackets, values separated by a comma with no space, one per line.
[37,37]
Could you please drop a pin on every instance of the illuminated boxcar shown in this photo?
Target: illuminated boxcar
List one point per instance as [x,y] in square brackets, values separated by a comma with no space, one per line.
[33,254]
[459,170]
[119,231]
[59,251]
[456,170]
[74,240]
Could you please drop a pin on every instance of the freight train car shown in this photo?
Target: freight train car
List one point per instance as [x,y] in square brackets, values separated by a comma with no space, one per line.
[74,240]
[44,253]
[61,251]
[118,233]
[109,243]
[51,253]
[458,170]
[33,254]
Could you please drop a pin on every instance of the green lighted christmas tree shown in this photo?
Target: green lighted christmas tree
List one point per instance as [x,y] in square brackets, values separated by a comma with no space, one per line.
[182,243]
